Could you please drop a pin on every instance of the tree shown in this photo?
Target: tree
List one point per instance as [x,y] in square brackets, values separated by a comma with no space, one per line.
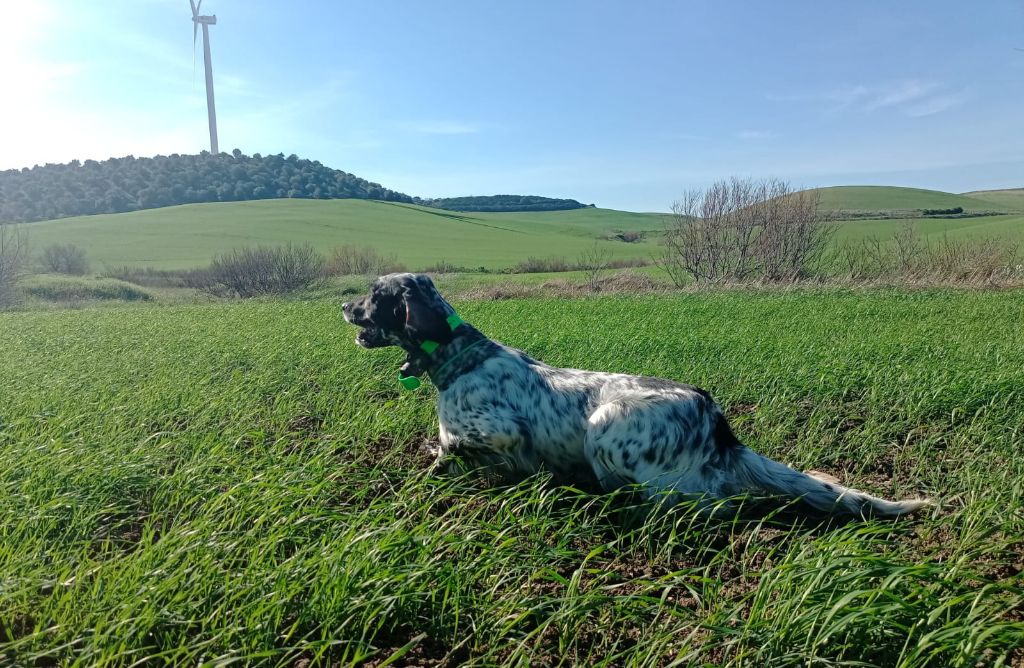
[65,259]
[740,230]
[595,263]
[126,184]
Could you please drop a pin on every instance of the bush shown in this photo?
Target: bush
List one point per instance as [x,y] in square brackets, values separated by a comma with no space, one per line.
[13,262]
[585,262]
[628,236]
[594,263]
[350,260]
[539,265]
[443,266]
[263,270]
[742,230]
[199,278]
[943,212]
[910,257]
[65,259]
[79,289]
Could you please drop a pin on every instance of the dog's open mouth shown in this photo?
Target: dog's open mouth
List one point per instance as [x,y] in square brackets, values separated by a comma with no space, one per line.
[370,337]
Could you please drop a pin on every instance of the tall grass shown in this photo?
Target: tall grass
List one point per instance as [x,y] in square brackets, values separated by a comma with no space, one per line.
[239,482]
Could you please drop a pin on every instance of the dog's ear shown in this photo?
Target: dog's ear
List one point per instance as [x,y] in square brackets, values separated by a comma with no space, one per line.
[426,318]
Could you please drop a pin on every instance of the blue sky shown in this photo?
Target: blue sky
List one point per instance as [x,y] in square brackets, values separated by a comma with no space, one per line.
[623,104]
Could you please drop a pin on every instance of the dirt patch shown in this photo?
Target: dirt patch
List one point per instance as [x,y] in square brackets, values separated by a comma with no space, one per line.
[388,461]
[418,650]
[306,425]
[411,454]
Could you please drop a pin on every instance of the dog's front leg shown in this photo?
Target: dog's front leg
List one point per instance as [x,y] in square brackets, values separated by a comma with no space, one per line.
[495,442]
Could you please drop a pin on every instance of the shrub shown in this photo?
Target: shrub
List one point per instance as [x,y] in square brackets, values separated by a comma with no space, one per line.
[742,230]
[263,270]
[65,259]
[629,236]
[81,289]
[443,266]
[13,262]
[199,278]
[538,265]
[943,212]
[594,262]
[586,261]
[629,263]
[350,259]
[910,257]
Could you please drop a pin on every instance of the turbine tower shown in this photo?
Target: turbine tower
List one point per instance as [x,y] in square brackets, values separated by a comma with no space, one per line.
[206,22]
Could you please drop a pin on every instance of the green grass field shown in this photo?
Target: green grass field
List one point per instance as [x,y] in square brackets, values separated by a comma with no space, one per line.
[1011,199]
[240,483]
[890,198]
[190,235]
[1008,227]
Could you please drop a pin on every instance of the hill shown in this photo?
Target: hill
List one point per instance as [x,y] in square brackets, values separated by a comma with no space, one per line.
[190,235]
[131,184]
[880,199]
[1011,198]
[503,203]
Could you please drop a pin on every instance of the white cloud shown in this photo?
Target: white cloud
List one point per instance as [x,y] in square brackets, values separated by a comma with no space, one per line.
[934,105]
[911,97]
[897,95]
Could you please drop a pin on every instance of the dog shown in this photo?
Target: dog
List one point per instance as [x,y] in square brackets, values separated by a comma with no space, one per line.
[501,409]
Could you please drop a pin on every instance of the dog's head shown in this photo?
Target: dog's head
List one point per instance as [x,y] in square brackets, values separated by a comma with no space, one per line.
[401,310]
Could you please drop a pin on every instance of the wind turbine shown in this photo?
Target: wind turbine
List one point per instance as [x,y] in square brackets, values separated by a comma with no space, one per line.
[206,22]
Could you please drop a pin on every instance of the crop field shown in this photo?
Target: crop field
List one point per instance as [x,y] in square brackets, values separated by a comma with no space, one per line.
[190,235]
[215,483]
[883,198]
[1006,227]
[1011,199]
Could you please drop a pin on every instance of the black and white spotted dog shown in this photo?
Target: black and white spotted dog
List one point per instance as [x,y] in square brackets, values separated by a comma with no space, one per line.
[500,408]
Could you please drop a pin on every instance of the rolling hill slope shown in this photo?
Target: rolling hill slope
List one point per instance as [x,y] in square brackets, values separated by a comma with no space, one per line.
[190,235]
[1011,198]
[890,198]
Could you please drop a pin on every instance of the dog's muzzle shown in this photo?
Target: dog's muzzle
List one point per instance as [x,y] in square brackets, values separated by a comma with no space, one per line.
[369,335]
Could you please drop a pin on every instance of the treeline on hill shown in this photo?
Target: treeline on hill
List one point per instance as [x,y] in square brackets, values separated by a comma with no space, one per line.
[503,203]
[129,184]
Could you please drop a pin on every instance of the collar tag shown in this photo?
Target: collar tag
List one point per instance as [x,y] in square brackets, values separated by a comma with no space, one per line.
[409,382]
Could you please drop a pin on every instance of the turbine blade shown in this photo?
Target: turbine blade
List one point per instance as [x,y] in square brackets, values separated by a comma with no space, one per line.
[199,5]
[195,32]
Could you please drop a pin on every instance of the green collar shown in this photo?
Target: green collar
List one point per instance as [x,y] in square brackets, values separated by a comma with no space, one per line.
[428,346]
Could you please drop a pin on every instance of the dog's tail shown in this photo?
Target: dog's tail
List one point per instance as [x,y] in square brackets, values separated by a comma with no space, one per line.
[757,473]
